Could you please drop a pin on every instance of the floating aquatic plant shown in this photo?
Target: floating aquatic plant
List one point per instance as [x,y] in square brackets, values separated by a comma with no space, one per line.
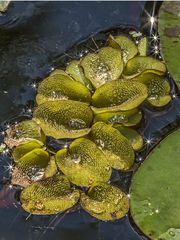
[94,103]
[49,196]
[105,201]
[155,191]
[169,31]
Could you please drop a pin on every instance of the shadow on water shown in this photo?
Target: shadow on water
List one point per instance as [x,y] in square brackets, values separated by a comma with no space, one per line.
[35,38]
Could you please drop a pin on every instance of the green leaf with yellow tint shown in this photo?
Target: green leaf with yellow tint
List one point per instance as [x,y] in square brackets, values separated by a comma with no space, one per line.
[83,163]
[118,95]
[64,118]
[102,67]
[62,87]
[114,145]
[105,202]
[125,44]
[139,64]
[158,89]
[132,135]
[126,118]
[49,196]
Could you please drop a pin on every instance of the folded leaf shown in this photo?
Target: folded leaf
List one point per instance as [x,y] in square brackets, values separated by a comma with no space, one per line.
[114,145]
[119,95]
[158,88]
[105,202]
[83,163]
[62,87]
[75,71]
[102,67]
[132,135]
[49,196]
[64,118]
[125,44]
[126,118]
[139,64]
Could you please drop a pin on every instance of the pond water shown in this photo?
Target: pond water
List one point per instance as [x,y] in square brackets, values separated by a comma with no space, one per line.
[35,38]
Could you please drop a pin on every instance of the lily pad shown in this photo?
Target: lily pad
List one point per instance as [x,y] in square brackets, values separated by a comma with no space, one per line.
[158,88]
[132,135]
[155,191]
[62,87]
[49,196]
[115,146]
[125,44]
[24,131]
[126,118]
[102,67]
[83,163]
[139,64]
[169,31]
[118,95]
[105,202]
[64,118]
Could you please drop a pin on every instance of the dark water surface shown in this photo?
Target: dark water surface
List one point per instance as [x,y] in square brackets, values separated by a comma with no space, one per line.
[34,37]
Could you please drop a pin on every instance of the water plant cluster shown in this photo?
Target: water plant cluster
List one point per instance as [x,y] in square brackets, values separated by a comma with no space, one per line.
[95,102]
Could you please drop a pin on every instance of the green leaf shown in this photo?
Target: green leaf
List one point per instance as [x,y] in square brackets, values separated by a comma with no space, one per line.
[83,163]
[139,64]
[62,87]
[119,95]
[102,67]
[126,118]
[105,202]
[64,118]
[36,159]
[75,71]
[24,148]
[49,196]
[115,146]
[155,191]
[125,44]
[132,135]
[158,88]
[51,168]
[30,167]
[169,30]
[143,46]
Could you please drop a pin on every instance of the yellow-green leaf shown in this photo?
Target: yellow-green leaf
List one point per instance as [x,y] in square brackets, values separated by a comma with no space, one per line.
[64,118]
[102,67]
[62,87]
[83,163]
[139,64]
[126,118]
[105,202]
[49,196]
[125,44]
[119,95]
[132,135]
[114,145]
